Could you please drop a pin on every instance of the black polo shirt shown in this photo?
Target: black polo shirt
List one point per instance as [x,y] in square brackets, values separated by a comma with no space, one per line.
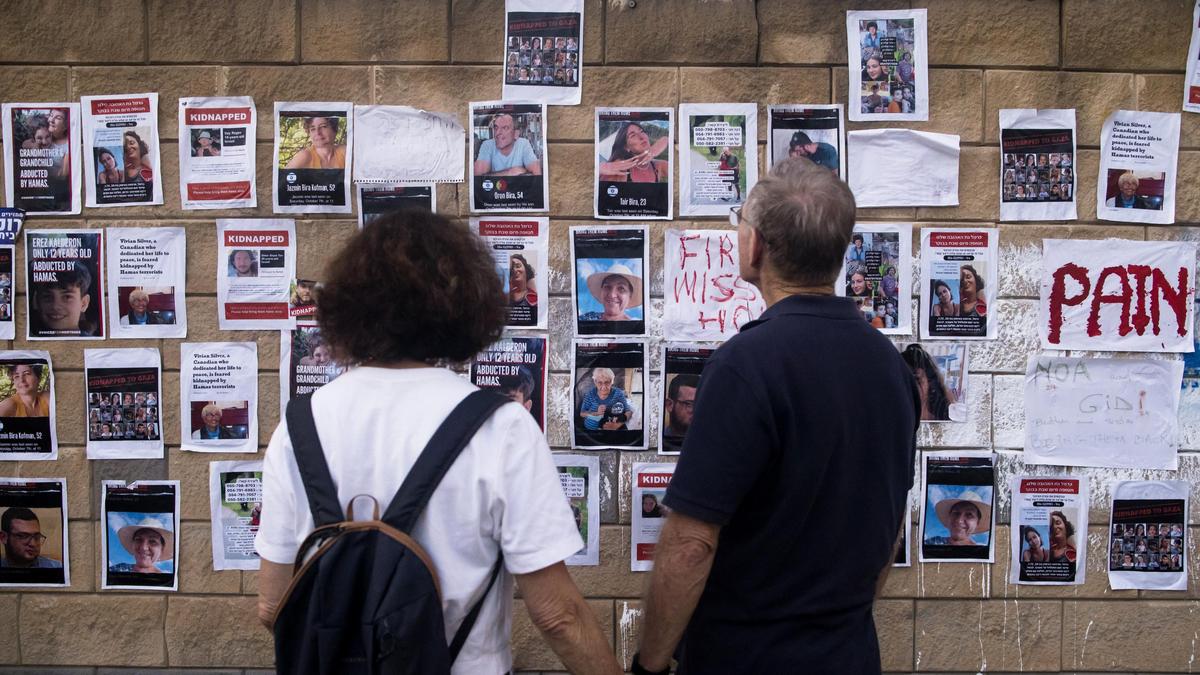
[802,447]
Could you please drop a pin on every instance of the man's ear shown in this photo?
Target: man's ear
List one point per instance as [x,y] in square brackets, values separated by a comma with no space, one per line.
[758,248]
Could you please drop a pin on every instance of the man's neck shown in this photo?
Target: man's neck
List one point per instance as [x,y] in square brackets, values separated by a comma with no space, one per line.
[774,292]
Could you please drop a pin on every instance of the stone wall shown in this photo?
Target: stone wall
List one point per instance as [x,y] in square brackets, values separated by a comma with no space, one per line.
[1092,55]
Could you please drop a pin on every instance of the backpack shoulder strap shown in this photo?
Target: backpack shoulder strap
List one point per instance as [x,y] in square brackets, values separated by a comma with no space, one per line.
[439,454]
[310,459]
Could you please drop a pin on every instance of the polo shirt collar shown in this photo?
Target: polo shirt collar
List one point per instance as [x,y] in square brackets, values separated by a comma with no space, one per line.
[826,306]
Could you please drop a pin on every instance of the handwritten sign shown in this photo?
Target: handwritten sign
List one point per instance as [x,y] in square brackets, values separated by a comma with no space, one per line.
[1117,295]
[1118,413]
[705,296]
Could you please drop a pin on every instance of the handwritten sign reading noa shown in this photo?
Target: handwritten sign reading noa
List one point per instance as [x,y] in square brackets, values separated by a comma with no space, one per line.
[1101,412]
[1117,295]
[705,296]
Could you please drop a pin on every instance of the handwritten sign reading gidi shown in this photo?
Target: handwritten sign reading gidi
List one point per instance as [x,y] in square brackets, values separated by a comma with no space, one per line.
[1118,413]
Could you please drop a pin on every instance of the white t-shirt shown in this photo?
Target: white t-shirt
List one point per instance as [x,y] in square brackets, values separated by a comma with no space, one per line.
[503,492]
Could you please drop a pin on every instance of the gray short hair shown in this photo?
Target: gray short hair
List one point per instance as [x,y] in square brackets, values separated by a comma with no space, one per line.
[805,214]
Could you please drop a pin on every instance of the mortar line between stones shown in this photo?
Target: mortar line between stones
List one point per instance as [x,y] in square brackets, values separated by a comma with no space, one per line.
[145,31]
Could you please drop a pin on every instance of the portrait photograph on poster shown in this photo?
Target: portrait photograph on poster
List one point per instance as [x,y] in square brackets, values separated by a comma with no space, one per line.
[960,271]
[305,362]
[888,65]
[42,162]
[27,415]
[634,147]
[64,277]
[1050,520]
[956,514]
[509,165]
[256,265]
[520,248]
[940,371]
[815,132]
[147,269]
[314,144]
[1139,153]
[33,532]
[875,273]
[650,483]
[608,394]
[120,141]
[608,280]
[218,396]
[140,546]
[216,152]
[515,366]
[682,364]
[235,511]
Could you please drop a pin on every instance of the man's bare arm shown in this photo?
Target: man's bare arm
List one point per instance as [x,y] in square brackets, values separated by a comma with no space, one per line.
[682,560]
[565,620]
[273,580]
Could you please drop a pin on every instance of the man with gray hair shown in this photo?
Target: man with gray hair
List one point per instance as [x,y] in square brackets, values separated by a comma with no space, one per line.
[793,480]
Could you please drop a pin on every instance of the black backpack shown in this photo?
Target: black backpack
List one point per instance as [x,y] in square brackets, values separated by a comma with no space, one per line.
[364,596]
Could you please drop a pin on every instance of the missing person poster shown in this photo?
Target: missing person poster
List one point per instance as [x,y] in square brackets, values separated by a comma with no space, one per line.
[401,145]
[718,156]
[147,268]
[509,163]
[140,546]
[256,263]
[1139,152]
[216,153]
[1121,413]
[682,364]
[902,167]
[608,279]
[889,65]
[956,516]
[633,163]
[1117,295]
[875,273]
[305,363]
[1148,535]
[814,132]
[312,157]
[940,371]
[706,297]
[124,395]
[543,53]
[1037,164]
[516,366]
[375,200]
[64,284]
[34,540]
[27,423]
[235,508]
[10,227]
[650,483]
[218,396]
[1191,83]
[42,163]
[959,269]
[302,300]
[1049,530]
[120,139]
[520,249]
[608,394]
[579,477]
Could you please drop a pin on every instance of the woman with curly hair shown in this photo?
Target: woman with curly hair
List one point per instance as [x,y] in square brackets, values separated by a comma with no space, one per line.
[403,297]
[137,167]
[935,397]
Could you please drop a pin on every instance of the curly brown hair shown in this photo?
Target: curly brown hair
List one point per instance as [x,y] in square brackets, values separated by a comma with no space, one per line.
[411,285]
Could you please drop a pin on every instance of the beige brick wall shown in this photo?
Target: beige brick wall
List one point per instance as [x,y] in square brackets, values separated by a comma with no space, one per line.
[1093,55]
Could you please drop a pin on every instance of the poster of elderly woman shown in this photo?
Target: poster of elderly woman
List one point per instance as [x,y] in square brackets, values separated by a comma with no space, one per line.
[633,163]
[120,141]
[608,273]
[41,158]
[956,515]
[140,545]
[1139,154]
[608,396]
[1049,530]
